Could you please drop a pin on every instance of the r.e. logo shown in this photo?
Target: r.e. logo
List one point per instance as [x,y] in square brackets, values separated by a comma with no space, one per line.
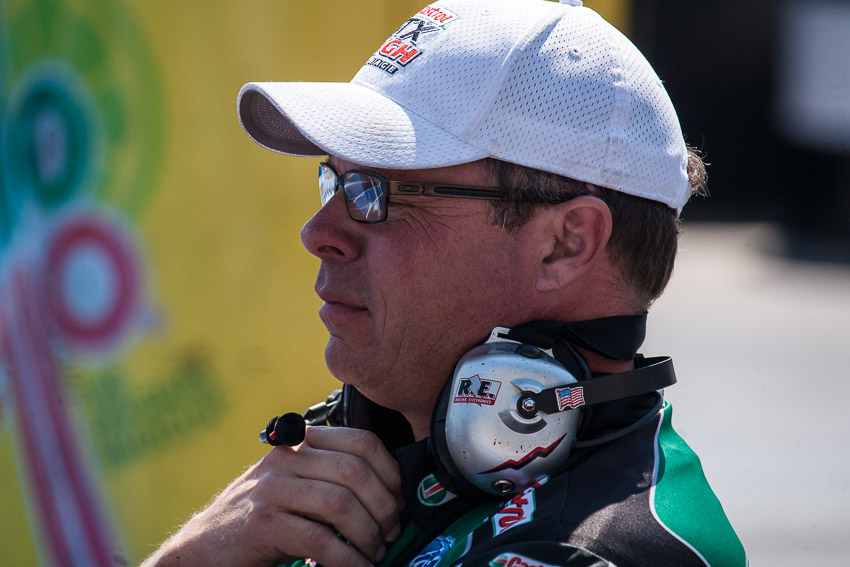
[474,390]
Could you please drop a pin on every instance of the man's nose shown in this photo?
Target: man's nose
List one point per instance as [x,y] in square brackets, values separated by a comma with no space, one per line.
[331,234]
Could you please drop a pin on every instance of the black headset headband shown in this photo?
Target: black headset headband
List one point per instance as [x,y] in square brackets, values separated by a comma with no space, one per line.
[616,338]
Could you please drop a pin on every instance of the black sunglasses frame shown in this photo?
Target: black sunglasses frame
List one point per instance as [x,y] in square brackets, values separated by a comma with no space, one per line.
[388,187]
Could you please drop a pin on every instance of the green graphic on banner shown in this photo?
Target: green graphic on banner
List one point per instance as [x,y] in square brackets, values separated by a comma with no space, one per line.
[127,426]
[49,146]
[77,93]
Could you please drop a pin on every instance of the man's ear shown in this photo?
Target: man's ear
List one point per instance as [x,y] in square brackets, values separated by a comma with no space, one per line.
[579,230]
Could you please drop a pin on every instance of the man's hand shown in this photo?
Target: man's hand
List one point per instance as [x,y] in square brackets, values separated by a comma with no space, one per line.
[292,503]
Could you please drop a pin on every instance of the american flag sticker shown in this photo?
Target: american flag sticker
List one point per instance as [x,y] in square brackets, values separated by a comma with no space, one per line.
[570,397]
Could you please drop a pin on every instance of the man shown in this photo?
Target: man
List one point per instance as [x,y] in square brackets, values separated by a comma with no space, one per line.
[496,163]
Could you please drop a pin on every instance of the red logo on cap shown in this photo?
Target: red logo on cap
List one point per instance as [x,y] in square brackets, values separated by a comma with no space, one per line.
[438,15]
[396,50]
[402,47]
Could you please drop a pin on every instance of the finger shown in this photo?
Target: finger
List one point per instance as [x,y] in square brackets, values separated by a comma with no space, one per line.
[364,444]
[327,503]
[318,542]
[357,474]
[359,480]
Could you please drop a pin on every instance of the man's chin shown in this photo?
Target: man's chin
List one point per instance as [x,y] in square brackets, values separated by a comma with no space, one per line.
[345,365]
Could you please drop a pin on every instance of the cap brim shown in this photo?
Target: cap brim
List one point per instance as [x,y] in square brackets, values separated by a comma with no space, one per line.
[348,121]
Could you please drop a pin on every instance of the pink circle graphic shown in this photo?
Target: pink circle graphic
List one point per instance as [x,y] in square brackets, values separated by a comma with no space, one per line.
[92,281]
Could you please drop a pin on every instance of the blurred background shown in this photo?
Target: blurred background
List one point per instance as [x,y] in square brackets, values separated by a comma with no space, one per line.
[156,306]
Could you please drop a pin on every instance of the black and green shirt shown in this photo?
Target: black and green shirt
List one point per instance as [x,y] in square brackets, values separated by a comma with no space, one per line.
[638,501]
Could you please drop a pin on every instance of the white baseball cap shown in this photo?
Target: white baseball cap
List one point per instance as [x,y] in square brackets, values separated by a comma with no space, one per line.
[541,84]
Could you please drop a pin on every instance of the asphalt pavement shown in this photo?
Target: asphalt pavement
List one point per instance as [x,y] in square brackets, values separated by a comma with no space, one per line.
[758,341]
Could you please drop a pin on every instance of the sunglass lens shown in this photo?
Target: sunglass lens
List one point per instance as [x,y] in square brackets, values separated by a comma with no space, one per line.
[364,194]
[327,182]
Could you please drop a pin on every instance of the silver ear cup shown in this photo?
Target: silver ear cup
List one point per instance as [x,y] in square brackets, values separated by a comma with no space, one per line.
[494,435]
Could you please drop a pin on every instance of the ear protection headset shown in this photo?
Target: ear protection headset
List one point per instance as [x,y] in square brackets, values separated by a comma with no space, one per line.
[510,413]
[511,410]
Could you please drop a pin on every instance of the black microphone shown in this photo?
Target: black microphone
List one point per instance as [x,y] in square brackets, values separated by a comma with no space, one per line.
[288,429]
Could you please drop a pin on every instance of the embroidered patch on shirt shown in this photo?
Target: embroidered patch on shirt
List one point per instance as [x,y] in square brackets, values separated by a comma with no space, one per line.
[513,560]
[433,552]
[431,493]
[519,510]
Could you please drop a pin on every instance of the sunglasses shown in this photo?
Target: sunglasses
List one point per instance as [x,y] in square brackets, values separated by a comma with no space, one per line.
[367,193]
